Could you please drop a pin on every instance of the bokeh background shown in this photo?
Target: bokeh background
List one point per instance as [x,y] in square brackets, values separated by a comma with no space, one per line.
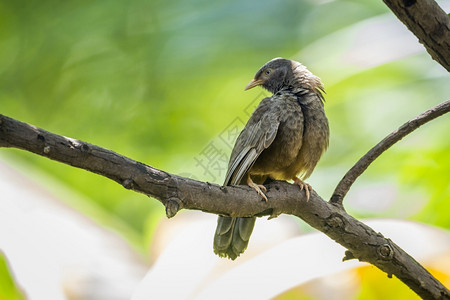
[162,82]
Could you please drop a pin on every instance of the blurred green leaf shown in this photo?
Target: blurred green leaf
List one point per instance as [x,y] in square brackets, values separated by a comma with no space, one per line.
[8,288]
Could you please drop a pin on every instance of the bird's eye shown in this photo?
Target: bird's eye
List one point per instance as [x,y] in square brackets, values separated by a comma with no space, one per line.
[268,71]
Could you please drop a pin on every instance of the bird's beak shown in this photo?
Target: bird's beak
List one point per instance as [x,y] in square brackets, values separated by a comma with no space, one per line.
[253,83]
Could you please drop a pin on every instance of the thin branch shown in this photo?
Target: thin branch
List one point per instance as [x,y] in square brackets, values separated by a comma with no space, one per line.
[429,23]
[177,192]
[346,182]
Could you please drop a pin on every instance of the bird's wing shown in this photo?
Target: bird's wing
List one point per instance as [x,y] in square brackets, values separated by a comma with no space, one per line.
[257,135]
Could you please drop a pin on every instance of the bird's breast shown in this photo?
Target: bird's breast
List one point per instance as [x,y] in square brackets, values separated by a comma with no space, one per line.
[301,139]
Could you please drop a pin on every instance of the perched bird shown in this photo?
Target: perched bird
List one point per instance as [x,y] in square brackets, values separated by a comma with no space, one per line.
[283,140]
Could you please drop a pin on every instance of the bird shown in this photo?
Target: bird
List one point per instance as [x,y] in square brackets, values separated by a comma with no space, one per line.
[283,139]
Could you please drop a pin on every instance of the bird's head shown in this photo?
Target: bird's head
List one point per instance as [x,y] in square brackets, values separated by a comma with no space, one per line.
[280,73]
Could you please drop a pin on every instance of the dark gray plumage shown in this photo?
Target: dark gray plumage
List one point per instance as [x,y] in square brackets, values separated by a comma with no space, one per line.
[283,140]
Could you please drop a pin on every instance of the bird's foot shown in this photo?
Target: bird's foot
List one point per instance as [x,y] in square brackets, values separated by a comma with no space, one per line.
[259,188]
[303,185]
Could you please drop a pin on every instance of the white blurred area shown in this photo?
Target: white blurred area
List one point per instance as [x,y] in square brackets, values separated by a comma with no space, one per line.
[54,252]
[369,43]
[276,261]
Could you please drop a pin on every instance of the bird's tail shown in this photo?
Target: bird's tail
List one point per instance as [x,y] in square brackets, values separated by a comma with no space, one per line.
[232,235]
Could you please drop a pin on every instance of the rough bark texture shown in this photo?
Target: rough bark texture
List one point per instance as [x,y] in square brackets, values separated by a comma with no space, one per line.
[429,23]
[177,192]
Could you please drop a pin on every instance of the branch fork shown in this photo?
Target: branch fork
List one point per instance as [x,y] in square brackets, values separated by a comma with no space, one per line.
[176,193]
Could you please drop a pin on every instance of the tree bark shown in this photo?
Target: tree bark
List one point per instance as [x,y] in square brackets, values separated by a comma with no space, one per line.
[429,23]
[177,192]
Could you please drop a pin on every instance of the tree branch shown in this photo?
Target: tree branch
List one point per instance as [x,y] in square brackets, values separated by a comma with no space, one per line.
[346,182]
[429,23]
[177,192]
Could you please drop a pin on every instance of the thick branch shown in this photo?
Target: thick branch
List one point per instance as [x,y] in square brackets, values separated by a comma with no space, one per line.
[364,162]
[429,23]
[176,193]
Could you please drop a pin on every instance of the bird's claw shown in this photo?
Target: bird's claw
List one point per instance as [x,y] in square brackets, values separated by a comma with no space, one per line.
[303,185]
[259,188]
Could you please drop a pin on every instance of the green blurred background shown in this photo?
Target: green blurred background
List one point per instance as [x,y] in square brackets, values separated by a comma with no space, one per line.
[159,81]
